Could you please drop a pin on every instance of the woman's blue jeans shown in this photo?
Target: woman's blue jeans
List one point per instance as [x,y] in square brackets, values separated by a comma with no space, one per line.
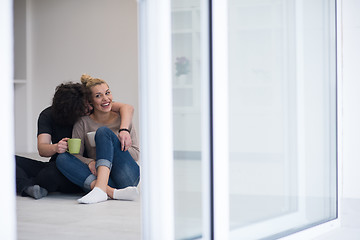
[124,171]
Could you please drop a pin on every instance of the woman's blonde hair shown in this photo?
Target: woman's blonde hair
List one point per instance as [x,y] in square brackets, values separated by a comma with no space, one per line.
[90,82]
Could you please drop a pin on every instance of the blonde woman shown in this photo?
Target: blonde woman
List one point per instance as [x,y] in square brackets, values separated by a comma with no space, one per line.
[108,170]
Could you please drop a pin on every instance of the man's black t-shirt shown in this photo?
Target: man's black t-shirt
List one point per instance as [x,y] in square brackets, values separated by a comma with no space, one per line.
[47,124]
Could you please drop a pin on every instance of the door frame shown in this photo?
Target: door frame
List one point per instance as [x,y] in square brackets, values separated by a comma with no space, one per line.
[7,152]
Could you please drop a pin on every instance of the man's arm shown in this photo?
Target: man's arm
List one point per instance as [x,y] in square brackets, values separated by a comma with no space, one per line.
[46,148]
[126,113]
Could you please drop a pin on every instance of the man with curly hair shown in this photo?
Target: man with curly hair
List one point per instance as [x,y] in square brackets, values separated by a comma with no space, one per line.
[55,123]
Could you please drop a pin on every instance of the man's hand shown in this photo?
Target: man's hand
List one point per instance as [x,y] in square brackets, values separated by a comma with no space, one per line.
[62,145]
[125,140]
[126,112]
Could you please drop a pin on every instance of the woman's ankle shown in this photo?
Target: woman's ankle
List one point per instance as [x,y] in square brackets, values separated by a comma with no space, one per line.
[110,191]
[103,188]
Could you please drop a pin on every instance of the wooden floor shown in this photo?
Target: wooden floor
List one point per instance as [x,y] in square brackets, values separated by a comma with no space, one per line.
[59,216]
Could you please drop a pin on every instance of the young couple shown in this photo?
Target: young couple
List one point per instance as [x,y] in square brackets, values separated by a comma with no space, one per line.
[107,169]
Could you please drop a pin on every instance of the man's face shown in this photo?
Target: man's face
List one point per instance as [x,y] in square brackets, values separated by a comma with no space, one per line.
[89,108]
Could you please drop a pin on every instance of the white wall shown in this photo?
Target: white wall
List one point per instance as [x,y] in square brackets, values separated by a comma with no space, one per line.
[350,97]
[68,38]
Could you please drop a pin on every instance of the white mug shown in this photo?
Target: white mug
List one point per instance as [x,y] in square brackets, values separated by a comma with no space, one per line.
[91,138]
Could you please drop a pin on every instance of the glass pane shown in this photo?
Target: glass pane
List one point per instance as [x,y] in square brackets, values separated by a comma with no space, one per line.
[187,118]
[282,116]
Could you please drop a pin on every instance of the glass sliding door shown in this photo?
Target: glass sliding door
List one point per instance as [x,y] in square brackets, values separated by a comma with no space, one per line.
[241,97]
[282,116]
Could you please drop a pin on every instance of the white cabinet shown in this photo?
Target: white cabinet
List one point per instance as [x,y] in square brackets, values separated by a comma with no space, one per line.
[186,58]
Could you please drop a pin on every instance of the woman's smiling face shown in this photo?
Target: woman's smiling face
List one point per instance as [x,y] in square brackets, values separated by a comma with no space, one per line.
[101,97]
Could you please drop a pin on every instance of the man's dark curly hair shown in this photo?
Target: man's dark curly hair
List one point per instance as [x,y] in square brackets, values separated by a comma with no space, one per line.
[70,102]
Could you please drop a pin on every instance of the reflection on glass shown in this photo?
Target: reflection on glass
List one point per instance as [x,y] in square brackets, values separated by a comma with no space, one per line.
[282,116]
[187,118]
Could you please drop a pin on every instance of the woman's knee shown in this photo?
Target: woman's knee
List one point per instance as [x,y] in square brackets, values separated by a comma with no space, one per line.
[62,159]
[102,131]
